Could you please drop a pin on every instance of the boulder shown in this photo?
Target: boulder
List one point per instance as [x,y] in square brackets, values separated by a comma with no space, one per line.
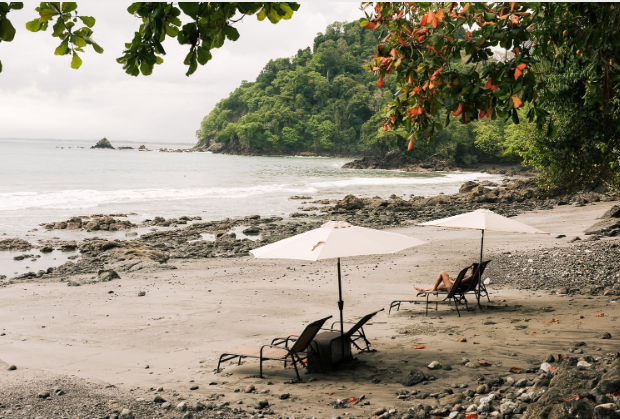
[467,186]
[350,202]
[20,245]
[414,377]
[106,275]
[606,227]
[103,143]
[613,212]
[610,381]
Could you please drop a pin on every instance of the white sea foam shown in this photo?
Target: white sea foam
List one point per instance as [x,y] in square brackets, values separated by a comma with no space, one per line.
[89,198]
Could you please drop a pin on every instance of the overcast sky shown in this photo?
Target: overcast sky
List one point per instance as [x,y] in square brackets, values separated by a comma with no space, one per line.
[42,97]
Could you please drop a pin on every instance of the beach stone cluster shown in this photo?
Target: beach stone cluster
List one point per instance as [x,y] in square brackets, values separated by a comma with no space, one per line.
[94,223]
[586,267]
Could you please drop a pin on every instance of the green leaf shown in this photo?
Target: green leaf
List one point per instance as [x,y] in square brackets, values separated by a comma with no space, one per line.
[0,66]
[262,14]
[63,48]
[145,68]
[16,5]
[79,41]
[34,25]
[364,22]
[69,7]
[59,28]
[88,20]
[76,61]
[47,14]
[231,33]
[189,8]
[96,47]
[172,31]
[134,8]
[204,55]
[288,11]
[7,31]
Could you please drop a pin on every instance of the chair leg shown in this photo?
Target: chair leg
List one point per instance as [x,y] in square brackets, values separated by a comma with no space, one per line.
[219,362]
[296,370]
[260,373]
[466,306]
[456,305]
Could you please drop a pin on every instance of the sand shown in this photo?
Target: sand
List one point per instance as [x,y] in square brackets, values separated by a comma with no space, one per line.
[171,337]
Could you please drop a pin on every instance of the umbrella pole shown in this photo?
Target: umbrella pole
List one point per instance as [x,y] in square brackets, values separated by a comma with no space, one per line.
[479,271]
[340,307]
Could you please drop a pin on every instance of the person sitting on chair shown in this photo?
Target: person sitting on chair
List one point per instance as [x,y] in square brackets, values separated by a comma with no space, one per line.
[447,281]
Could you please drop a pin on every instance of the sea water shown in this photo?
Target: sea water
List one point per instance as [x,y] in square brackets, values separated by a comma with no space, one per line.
[43,181]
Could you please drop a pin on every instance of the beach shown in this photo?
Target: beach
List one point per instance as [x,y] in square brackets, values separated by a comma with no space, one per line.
[171,337]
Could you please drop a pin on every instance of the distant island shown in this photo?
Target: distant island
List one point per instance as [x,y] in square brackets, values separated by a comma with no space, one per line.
[103,143]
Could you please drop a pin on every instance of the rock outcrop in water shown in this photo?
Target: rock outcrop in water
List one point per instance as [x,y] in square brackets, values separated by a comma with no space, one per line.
[19,245]
[103,143]
[94,223]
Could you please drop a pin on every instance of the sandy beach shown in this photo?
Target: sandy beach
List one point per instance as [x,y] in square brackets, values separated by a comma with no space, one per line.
[170,338]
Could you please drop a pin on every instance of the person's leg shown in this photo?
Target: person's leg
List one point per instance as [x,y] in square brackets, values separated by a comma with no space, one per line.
[444,278]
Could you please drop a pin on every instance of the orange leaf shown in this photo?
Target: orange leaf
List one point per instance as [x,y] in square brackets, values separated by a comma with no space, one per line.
[370,25]
[385,128]
[432,19]
[551,369]
[440,14]
[516,102]
[424,19]
[516,370]
[468,35]
[519,70]
[330,394]
[409,147]
[352,400]
[484,364]
[415,346]
[516,50]
[514,19]
[462,340]
[416,89]
[465,9]
[571,398]
[380,82]
[600,315]
[458,110]
[490,85]
[489,112]
[472,416]
[533,332]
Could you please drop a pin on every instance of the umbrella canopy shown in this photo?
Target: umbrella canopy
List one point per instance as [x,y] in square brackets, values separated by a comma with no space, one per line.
[335,240]
[483,219]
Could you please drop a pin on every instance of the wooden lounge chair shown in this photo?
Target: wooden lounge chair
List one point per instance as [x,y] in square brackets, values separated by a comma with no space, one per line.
[295,354]
[451,295]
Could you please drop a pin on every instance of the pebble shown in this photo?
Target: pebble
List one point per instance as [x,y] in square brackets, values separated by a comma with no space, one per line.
[44,394]
[182,407]
[606,335]
[435,365]
[194,388]
[126,414]
[249,389]
[12,368]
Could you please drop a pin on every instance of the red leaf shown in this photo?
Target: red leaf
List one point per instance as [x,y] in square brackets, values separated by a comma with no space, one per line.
[481,114]
[380,82]
[468,35]
[431,19]
[516,370]
[370,25]
[489,112]
[458,110]
[409,147]
[472,416]
[385,128]
[484,364]
[416,89]
[571,398]
[423,21]
[516,50]
[519,70]
[352,400]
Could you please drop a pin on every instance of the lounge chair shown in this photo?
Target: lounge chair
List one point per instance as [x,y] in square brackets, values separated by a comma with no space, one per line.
[355,333]
[482,289]
[452,295]
[295,354]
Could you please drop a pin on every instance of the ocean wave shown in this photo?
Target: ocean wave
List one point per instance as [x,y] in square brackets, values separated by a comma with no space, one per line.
[89,198]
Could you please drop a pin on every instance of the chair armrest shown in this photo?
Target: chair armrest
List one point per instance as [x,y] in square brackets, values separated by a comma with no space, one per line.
[335,323]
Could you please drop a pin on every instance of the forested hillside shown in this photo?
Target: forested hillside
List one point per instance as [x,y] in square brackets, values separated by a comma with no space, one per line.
[323,101]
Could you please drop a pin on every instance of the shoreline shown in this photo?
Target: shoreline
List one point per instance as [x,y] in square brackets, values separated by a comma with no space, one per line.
[128,245]
[191,314]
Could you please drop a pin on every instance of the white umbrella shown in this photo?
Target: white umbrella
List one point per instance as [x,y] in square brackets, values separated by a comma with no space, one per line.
[483,219]
[336,239]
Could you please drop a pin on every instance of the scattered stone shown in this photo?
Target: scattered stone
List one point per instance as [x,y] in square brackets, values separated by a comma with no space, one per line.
[414,377]
[606,335]
[106,275]
[12,368]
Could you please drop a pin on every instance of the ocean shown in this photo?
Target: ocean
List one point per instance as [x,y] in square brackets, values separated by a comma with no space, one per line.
[44,181]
